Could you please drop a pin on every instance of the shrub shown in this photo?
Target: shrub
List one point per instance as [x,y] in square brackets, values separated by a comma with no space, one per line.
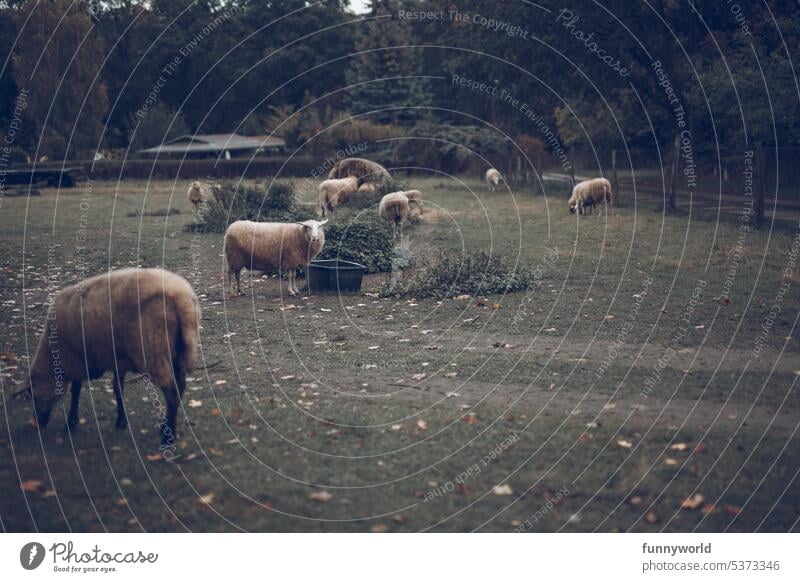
[451,274]
[365,200]
[361,237]
[232,203]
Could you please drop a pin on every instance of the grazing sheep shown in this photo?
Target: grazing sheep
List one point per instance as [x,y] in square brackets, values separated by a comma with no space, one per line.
[267,246]
[367,188]
[493,178]
[333,193]
[364,170]
[587,194]
[195,195]
[130,320]
[394,209]
[414,200]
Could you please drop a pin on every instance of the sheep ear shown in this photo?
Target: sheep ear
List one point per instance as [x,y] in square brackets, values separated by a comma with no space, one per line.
[323,222]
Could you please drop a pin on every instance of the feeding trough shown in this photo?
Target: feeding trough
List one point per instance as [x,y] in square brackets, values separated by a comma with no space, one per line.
[334,275]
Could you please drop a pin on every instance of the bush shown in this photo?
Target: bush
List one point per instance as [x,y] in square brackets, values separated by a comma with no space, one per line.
[232,203]
[360,237]
[477,272]
[365,200]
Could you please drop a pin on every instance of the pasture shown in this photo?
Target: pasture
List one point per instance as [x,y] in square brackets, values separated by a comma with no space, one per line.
[643,384]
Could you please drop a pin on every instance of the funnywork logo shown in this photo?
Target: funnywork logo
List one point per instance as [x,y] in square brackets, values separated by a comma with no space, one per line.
[31,555]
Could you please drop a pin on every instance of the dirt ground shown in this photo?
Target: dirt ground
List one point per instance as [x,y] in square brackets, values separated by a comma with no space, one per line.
[648,382]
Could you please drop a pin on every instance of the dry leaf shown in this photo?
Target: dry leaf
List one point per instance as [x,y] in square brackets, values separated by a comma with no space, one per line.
[401,519]
[321,496]
[651,517]
[624,443]
[153,457]
[679,447]
[635,500]
[471,418]
[206,499]
[379,528]
[31,485]
[504,489]
[422,425]
[215,412]
[732,510]
[420,376]
[195,403]
[692,502]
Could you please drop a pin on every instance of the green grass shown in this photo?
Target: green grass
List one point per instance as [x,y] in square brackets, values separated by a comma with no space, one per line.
[322,393]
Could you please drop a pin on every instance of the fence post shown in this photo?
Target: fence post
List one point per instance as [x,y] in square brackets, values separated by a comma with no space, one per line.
[614,176]
[672,183]
[761,171]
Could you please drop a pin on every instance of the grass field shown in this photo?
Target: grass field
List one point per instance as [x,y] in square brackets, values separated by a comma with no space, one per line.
[644,369]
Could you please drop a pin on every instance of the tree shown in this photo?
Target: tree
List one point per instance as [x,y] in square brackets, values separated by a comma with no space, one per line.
[386,77]
[57,60]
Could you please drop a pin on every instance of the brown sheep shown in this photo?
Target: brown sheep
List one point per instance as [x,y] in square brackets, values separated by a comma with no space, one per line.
[333,193]
[587,194]
[364,170]
[130,320]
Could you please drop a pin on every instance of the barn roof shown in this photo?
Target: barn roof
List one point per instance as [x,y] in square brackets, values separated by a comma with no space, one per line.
[214,142]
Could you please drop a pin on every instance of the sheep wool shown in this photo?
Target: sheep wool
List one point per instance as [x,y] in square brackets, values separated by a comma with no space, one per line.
[271,246]
[333,193]
[130,320]
[588,193]
[394,209]
[364,170]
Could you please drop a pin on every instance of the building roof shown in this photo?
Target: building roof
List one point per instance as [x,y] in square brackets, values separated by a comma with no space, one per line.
[214,142]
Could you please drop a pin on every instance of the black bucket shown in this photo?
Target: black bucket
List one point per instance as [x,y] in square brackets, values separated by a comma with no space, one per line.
[334,275]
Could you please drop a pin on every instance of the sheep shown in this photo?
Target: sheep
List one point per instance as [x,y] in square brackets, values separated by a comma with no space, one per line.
[129,320]
[195,195]
[394,209]
[365,170]
[588,193]
[493,178]
[415,200]
[281,246]
[367,188]
[333,193]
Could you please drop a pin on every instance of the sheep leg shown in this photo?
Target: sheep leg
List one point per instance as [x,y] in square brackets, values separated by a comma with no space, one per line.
[73,418]
[119,388]
[290,275]
[172,397]
[401,230]
[238,276]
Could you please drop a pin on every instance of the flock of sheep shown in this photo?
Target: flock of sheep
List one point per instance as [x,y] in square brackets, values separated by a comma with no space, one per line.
[146,321]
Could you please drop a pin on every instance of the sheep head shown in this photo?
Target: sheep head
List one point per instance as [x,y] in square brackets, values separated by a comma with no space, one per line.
[44,392]
[314,229]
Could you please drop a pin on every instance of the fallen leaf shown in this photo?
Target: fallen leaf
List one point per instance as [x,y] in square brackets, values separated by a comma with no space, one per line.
[397,426]
[670,461]
[379,528]
[708,508]
[206,499]
[153,457]
[651,517]
[451,374]
[471,418]
[422,425]
[692,502]
[679,447]
[321,496]
[401,519]
[635,500]
[732,510]
[420,376]
[504,489]
[31,485]
[624,444]
[195,403]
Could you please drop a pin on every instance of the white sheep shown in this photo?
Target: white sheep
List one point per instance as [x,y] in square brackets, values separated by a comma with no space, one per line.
[130,320]
[493,178]
[267,246]
[195,195]
[415,200]
[333,193]
[588,193]
[395,209]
